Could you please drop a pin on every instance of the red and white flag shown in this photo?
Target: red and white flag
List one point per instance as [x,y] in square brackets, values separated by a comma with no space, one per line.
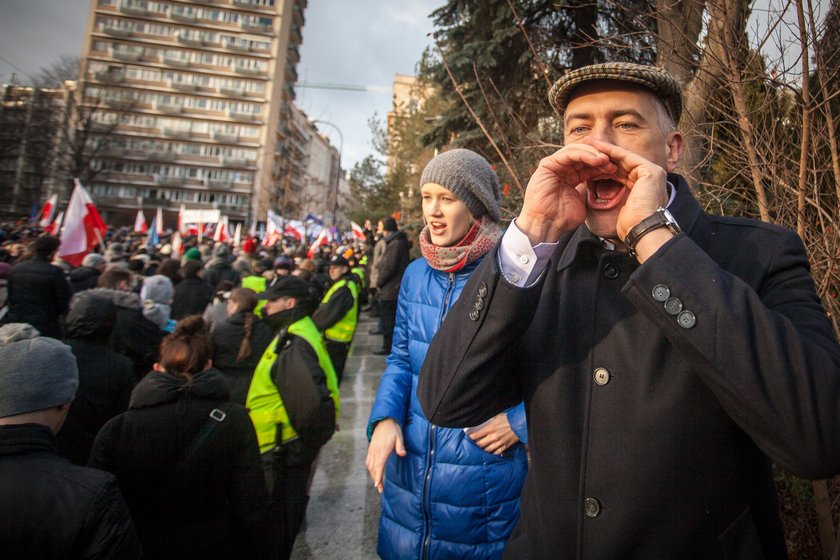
[177,244]
[221,233]
[159,221]
[292,231]
[319,241]
[48,211]
[55,228]
[83,227]
[237,235]
[358,232]
[140,223]
[273,227]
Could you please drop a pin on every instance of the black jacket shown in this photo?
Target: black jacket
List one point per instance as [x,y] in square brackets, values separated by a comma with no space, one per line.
[105,378]
[54,509]
[219,269]
[391,266]
[656,394]
[227,338]
[38,295]
[83,278]
[212,505]
[134,336]
[191,297]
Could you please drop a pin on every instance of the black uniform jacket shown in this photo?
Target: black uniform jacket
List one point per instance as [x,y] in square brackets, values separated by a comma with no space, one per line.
[654,393]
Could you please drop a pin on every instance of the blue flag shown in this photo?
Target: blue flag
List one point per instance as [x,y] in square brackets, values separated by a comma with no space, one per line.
[152,236]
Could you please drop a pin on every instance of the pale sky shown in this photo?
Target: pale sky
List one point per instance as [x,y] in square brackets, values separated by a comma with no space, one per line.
[350,42]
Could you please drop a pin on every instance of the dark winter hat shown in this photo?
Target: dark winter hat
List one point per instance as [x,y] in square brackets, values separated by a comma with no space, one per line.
[470,178]
[285,286]
[338,260]
[657,80]
[36,372]
[283,262]
[389,224]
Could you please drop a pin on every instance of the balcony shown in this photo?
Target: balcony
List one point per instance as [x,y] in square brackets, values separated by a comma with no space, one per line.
[117,31]
[242,115]
[234,45]
[175,59]
[125,54]
[243,3]
[236,162]
[293,54]
[109,77]
[134,7]
[169,107]
[182,86]
[168,155]
[112,151]
[168,181]
[189,39]
[181,14]
[222,136]
[255,26]
[176,132]
[99,126]
[119,103]
[232,91]
[220,184]
[250,70]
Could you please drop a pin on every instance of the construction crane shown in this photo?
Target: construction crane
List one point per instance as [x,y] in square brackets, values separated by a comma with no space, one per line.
[344,87]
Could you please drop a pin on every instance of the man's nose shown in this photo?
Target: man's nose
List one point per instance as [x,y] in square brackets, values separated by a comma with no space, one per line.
[602,132]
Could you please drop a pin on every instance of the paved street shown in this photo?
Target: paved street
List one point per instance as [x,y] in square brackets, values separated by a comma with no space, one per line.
[343,512]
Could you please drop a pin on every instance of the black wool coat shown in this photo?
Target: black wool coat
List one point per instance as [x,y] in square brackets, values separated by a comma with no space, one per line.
[391,266]
[212,505]
[38,294]
[191,297]
[656,394]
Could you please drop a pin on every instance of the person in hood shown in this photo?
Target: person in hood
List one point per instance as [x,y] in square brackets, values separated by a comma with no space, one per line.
[187,459]
[156,294]
[389,272]
[192,294]
[219,267]
[105,378]
[52,509]
[293,399]
[134,336]
[86,276]
[447,493]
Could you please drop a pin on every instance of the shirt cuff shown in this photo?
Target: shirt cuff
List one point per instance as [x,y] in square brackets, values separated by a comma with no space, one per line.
[520,263]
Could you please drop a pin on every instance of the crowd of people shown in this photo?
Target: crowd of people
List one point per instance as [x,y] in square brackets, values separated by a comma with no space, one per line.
[617,364]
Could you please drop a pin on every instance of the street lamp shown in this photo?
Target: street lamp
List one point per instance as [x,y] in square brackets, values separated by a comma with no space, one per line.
[337,175]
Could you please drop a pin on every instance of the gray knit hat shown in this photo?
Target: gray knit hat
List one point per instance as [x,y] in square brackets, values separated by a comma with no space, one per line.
[36,372]
[657,80]
[470,178]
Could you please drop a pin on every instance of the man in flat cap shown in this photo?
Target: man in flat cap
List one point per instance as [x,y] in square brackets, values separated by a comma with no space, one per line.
[665,356]
[293,399]
[51,507]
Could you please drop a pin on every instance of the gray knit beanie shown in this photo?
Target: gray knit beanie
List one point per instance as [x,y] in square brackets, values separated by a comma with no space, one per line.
[36,372]
[470,178]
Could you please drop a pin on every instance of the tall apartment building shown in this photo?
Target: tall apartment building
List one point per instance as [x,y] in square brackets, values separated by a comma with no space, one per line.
[189,103]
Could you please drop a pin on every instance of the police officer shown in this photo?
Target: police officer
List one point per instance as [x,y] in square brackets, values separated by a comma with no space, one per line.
[338,313]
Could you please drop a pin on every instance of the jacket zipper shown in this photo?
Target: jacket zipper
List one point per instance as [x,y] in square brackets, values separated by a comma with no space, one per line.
[431,460]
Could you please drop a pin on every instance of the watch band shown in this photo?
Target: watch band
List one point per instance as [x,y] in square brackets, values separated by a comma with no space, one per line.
[659,219]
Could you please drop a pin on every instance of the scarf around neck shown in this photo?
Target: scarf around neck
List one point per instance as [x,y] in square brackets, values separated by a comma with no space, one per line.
[481,238]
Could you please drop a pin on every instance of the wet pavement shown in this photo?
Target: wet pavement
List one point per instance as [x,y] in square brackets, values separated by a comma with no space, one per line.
[342,517]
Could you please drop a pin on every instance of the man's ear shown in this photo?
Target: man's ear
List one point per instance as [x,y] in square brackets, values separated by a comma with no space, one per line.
[674,150]
[159,368]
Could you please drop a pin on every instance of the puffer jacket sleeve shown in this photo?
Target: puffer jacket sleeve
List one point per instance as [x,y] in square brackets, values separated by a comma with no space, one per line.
[394,394]
[518,423]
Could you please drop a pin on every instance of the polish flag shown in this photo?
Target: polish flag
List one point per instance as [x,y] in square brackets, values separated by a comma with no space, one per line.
[221,233]
[319,241]
[48,211]
[177,244]
[292,231]
[159,220]
[83,227]
[237,235]
[55,228]
[181,223]
[273,229]
[358,232]
[140,223]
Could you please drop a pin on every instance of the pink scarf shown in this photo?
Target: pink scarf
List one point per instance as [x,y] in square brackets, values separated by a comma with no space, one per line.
[482,236]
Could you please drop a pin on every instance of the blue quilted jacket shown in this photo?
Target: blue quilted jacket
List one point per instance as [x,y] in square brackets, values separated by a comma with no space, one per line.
[447,498]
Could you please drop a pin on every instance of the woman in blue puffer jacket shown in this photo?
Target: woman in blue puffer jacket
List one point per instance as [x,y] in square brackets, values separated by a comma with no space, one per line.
[447,493]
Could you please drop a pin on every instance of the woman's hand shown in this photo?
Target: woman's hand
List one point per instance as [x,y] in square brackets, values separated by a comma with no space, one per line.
[387,438]
[496,435]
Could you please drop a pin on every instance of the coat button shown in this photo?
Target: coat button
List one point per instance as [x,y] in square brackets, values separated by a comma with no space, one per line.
[673,306]
[686,319]
[661,292]
[474,314]
[482,289]
[479,303]
[611,271]
[591,507]
[601,375]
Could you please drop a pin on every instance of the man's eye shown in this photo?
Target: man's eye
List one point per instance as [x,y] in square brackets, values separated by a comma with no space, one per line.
[627,125]
[578,130]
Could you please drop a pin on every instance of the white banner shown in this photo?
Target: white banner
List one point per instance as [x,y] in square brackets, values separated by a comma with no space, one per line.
[200,216]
